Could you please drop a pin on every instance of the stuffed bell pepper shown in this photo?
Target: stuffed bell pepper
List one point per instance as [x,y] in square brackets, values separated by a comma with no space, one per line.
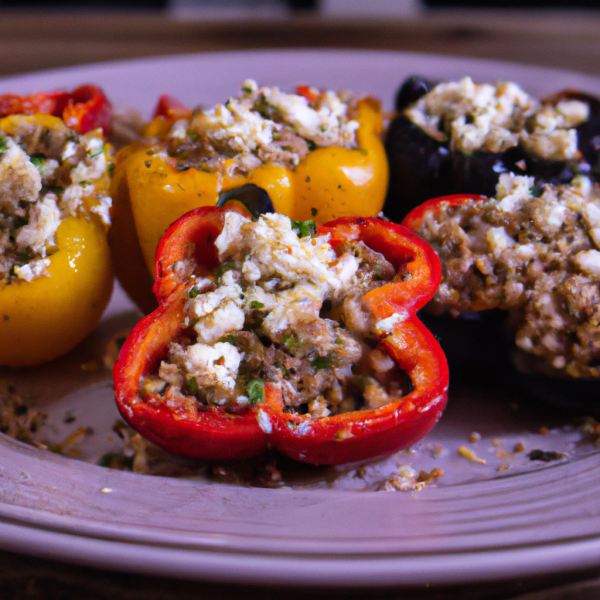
[55,267]
[318,155]
[285,334]
[460,136]
[532,253]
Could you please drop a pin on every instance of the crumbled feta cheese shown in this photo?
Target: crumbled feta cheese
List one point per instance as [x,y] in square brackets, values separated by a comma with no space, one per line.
[589,262]
[20,181]
[386,326]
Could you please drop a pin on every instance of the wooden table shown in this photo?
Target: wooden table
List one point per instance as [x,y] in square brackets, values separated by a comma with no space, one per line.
[33,41]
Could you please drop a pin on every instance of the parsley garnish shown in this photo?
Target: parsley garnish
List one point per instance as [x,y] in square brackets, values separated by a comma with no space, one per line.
[193,385]
[321,362]
[226,266]
[313,212]
[97,153]
[256,391]
[304,228]
[194,291]
[246,89]
[37,161]
[3,145]
[256,304]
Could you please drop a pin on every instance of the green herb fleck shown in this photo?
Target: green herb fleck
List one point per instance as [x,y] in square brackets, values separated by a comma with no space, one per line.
[287,148]
[313,212]
[111,169]
[304,228]
[246,89]
[226,266]
[228,339]
[194,291]
[147,163]
[85,182]
[256,391]
[276,135]
[38,161]
[182,167]
[3,145]
[57,189]
[97,153]
[339,342]
[256,304]
[193,135]
[321,362]
[193,385]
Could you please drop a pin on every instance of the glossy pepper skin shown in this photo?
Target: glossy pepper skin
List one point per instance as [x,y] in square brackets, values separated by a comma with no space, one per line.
[43,319]
[212,432]
[84,109]
[149,192]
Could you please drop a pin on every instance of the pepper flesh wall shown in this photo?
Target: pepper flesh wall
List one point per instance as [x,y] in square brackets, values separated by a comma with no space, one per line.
[275,332]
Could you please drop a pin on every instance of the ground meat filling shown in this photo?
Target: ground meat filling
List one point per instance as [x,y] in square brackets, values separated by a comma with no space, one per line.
[264,125]
[47,174]
[287,310]
[534,252]
[494,117]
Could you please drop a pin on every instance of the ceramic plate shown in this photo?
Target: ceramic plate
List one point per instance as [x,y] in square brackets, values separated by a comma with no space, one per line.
[500,515]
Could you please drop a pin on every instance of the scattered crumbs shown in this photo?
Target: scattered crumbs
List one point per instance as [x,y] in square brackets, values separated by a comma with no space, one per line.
[110,438]
[475,437]
[360,472]
[90,366]
[496,442]
[514,406]
[408,480]
[410,451]
[113,348]
[519,447]
[106,490]
[69,418]
[502,453]
[592,428]
[545,455]
[24,475]
[18,420]
[437,451]
[468,453]
[71,439]
[502,468]
[544,430]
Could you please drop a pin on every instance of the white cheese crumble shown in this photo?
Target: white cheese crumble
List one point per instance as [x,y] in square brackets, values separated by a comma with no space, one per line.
[38,192]
[493,117]
[266,125]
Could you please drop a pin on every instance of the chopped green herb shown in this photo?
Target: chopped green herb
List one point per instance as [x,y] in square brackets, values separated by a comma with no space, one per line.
[256,391]
[194,291]
[147,164]
[287,148]
[276,135]
[321,362]
[193,135]
[85,182]
[193,385]
[3,145]
[339,342]
[38,161]
[182,167]
[313,212]
[226,266]
[256,304]
[304,228]
[311,145]
[97,153]
[111,169]
[246,89]
[57,189]
[228,339]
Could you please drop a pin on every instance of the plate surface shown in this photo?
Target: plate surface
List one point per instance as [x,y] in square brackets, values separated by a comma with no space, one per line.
[509,517]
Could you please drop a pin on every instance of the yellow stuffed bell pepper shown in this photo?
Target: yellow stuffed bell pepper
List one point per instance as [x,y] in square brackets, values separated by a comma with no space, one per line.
[318,155]
[56,274]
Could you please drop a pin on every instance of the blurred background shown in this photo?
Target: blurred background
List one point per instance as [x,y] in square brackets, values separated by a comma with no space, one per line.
[39,34]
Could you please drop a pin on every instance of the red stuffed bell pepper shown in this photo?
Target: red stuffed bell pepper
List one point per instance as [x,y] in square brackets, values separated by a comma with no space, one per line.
[283,334]
[84,109]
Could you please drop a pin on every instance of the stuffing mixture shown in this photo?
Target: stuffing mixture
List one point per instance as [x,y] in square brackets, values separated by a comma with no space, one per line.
[47,173]
[474,117]
[283,307]
[264,125]
[533,251]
